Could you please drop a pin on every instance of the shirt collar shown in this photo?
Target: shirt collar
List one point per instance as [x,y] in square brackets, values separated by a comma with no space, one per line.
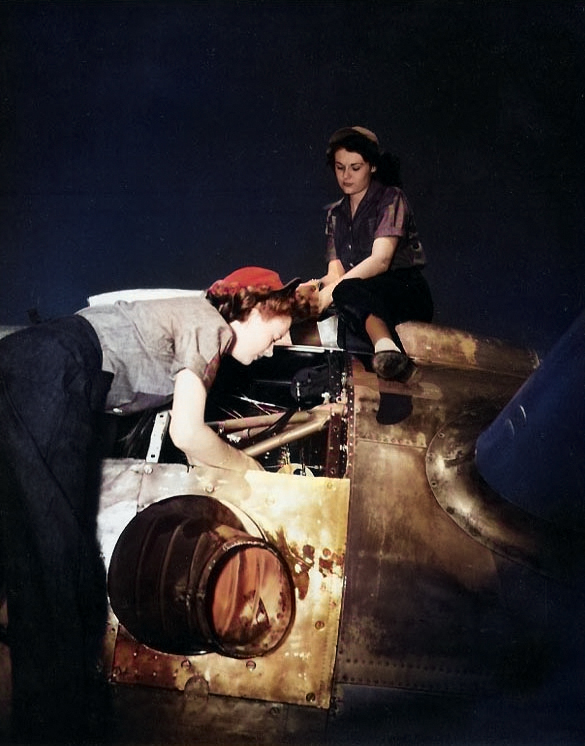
[370,195]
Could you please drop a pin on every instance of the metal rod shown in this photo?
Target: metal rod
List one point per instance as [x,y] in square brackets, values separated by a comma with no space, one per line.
[261,420]
[318,418]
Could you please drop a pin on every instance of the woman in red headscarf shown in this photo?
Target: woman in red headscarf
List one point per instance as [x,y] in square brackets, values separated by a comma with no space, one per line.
[55,378]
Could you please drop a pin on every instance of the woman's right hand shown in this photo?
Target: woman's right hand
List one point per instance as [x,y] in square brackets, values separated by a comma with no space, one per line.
[326,297]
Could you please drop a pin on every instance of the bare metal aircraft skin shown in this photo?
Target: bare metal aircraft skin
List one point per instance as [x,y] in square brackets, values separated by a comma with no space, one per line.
[370,586]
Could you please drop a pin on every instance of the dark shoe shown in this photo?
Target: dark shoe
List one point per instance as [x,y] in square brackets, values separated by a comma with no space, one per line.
[392,365]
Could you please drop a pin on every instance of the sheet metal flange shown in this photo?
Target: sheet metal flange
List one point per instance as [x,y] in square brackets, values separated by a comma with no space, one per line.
[486,516]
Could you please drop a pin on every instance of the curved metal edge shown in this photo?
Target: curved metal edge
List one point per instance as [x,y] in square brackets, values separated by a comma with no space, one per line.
[489,518]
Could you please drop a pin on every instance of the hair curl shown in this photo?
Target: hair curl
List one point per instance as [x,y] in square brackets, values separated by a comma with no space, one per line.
[387,165]
[236,305]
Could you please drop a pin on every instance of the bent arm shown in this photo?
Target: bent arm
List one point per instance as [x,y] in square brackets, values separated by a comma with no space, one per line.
[377,263]
[334,272]
[188,431]
[379,260]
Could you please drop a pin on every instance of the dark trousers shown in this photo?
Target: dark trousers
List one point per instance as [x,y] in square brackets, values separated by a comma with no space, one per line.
[396,296]
[51,391]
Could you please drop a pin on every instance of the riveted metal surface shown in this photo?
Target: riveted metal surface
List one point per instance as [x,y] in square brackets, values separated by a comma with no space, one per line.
[335,443]
[138,664]
[163,716]
[422,609]
[436,396]
[430,608]
[306,519]
[418,589]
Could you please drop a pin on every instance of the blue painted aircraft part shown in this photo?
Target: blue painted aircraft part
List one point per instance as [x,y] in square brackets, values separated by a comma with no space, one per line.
[533,453]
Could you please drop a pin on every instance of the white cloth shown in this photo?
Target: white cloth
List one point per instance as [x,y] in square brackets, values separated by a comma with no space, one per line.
[104,299]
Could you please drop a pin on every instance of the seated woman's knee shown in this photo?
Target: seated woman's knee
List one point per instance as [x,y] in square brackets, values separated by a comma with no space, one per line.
[347,291]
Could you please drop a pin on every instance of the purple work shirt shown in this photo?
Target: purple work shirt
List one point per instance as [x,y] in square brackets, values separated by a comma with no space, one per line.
[383,211]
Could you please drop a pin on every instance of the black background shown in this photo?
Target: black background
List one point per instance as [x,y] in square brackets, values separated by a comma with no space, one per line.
[164,144]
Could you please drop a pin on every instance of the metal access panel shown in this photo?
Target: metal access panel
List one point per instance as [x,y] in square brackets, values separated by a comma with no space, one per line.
[305,518]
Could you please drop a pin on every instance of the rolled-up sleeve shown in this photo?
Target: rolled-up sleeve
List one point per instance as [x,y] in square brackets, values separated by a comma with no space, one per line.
[200,349]
[393,216]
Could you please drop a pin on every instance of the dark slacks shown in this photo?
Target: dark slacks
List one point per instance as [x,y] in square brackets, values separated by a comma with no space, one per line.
[51,391]
[396,296]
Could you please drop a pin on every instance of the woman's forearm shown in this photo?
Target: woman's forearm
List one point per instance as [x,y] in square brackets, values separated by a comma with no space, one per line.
[335,272]
[377,262]
[368,267]
[208,449]
[188,431]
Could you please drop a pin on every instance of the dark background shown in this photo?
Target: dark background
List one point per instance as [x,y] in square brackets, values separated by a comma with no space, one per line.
[163,144]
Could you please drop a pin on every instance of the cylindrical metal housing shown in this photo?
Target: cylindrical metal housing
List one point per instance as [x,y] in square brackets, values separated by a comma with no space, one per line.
[186,578]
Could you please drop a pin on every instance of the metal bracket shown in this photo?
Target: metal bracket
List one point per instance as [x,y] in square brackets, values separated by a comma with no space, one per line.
[159,429]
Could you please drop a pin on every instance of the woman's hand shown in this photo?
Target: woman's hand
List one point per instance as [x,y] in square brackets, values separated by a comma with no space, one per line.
[309,291]
[188,431]
[326,296]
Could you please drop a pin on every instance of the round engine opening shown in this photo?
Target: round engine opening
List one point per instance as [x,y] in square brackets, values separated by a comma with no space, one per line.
[186,578]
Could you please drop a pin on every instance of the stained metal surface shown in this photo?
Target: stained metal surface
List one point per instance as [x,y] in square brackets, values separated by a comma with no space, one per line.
[455,348]
[423,609]
[438,395]
[166,716]
[429,608]
[186,578]
[419,591]
[306,519]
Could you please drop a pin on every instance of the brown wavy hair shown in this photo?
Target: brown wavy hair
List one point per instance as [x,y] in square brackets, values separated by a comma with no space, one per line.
[387,164]
[236,305]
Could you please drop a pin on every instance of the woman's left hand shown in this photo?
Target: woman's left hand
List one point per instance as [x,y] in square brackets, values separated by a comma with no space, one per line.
[309,291]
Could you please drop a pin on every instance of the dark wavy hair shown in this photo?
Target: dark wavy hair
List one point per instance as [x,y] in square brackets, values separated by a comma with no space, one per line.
[237,305]
[387,164]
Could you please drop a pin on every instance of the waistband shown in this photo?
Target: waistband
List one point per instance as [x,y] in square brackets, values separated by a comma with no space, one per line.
[74,334]
[78,335]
